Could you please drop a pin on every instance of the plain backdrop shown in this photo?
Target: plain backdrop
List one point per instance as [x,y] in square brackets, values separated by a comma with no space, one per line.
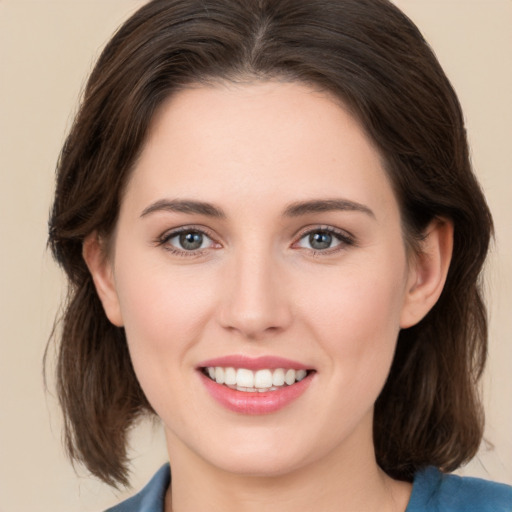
[47,48]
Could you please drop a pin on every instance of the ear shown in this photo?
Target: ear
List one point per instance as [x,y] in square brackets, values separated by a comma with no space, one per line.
[100,267]
[427,272]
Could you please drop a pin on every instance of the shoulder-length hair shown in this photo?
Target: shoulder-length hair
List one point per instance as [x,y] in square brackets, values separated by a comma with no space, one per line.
[372,57]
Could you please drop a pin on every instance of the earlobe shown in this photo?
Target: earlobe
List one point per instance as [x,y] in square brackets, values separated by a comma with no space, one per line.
[100,267]
[428,272]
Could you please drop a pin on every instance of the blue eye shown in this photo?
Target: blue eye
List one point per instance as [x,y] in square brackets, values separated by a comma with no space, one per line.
[188,240]
[323,240]
[320,240]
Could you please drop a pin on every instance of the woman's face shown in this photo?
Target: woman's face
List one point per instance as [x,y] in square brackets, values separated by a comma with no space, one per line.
[259,232]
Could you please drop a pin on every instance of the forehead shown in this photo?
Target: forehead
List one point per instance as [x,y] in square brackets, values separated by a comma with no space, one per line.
[255,141]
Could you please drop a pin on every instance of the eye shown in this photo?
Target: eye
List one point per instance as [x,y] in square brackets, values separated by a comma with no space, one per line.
[324,240]
[186,240]
[320,240]
[189,241]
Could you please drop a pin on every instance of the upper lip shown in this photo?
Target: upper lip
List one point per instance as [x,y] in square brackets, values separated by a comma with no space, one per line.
[253,363]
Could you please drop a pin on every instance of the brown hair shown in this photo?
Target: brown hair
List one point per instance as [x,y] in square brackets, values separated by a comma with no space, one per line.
[372,57]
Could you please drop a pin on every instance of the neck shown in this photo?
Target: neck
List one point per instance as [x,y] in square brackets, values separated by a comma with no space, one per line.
[347,479]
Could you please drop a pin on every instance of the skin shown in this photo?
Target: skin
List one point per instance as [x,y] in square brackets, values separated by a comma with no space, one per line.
[257,287]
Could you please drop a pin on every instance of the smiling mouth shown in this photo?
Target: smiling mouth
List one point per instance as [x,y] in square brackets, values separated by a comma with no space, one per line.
[260,381]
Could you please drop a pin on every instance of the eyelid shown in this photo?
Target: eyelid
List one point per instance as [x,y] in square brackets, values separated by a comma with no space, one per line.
[173,232]
[345,238]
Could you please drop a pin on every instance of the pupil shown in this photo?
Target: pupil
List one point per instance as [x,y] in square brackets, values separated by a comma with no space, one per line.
[320,240]
[191,241]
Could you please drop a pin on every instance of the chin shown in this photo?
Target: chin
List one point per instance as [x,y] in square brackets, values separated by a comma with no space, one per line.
[259,465]
[271,453]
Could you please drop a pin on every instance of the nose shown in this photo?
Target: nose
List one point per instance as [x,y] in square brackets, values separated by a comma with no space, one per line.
[254,302]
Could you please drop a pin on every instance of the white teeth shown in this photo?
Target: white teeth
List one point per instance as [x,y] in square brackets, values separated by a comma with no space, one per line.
[219,375]
[289,377]
[263,379]
[300,374]
[230,376]
[246,380]
[278,377]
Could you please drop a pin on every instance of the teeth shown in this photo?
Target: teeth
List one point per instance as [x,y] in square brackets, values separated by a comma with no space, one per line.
[230,377]
[219,375]
[278,377]
[289,377]
[262,379]
[246,380]
[300,374]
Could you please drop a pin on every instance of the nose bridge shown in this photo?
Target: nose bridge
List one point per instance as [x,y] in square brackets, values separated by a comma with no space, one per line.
[254,302]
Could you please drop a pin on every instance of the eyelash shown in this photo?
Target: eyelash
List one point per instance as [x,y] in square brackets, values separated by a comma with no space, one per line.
[344,238]
[164,239]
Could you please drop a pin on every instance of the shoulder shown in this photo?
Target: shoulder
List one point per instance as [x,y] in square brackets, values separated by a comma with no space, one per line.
[435,491]
[151,498]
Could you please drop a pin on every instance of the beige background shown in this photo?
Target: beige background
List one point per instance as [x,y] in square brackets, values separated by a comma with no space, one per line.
[47,48]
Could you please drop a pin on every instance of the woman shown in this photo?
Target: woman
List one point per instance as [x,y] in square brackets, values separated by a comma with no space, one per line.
[273,238]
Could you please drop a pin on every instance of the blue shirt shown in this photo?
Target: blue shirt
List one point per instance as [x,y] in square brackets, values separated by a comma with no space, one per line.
[432,491]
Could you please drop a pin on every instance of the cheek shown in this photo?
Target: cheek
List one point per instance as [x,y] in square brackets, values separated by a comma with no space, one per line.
[357,318]
[162,307]
[164,314]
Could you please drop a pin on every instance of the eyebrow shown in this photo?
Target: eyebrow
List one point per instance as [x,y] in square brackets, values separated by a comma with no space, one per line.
[184,206]
[325,205]
[292,210]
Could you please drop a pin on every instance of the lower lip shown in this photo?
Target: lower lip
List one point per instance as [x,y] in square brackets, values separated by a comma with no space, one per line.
[255,403]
